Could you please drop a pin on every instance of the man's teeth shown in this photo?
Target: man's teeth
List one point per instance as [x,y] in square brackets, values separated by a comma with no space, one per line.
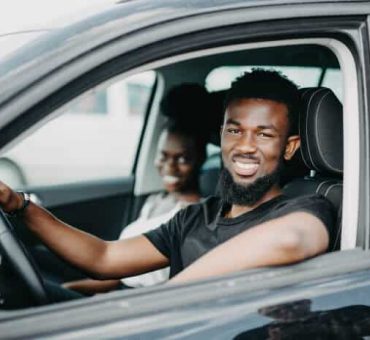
[246,166]
[170,179]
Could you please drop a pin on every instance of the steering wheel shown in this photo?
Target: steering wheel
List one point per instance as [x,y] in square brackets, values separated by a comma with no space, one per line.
[21,261]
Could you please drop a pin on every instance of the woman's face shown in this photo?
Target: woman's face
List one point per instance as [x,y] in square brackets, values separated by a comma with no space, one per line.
[177,162]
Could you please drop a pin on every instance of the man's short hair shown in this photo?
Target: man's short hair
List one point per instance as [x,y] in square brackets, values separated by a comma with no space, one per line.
[267,84]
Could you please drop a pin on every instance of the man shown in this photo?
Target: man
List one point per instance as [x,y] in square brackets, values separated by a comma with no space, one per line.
[252,225]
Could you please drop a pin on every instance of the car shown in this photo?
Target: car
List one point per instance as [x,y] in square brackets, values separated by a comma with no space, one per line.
[79,121]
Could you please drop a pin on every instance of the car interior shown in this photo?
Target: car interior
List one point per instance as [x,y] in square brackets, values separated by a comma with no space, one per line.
[104,206]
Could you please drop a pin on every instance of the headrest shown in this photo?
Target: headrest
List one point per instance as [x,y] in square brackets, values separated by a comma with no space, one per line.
[321,130]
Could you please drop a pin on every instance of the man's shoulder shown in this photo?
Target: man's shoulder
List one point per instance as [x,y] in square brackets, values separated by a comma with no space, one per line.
[313,203]
[316,205]
[304,200]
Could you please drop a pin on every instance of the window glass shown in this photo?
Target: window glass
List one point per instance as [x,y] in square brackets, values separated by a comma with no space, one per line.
[221,77]
[333,79]
[94,102]
[95,138]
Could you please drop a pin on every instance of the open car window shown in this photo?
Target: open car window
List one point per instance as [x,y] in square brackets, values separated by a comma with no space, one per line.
[94,137]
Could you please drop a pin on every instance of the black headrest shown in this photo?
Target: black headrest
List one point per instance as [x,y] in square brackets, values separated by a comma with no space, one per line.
[321,130]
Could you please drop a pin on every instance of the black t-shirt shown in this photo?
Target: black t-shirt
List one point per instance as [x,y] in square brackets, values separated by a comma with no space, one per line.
[198,228]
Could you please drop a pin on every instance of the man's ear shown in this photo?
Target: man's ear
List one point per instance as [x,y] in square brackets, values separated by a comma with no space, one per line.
[292,145]
[221,128]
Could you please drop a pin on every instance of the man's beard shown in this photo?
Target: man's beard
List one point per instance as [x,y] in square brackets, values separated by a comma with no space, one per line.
[249,194]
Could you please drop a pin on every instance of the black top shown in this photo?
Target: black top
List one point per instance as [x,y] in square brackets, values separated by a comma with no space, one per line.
[200,227]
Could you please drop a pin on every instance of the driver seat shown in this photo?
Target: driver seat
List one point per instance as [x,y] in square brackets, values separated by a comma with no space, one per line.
[321,131]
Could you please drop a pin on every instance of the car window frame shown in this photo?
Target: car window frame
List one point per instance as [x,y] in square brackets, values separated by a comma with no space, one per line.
[129,64]
[57,101]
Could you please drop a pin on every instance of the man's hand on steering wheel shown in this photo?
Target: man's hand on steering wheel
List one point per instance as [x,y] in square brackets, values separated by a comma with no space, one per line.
[10,200]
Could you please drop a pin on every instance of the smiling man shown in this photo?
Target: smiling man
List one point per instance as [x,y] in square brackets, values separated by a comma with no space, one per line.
[251,225]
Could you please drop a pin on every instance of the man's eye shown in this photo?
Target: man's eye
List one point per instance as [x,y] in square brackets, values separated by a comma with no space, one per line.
[233,131]
[265,135]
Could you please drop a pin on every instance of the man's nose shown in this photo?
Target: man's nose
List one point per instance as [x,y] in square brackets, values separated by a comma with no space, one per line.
[247,143]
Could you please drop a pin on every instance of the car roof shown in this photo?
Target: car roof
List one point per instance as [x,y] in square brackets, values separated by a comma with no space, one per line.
[120,20]
[135,15]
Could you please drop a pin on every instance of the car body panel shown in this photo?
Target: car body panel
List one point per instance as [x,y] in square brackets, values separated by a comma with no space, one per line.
[220,308]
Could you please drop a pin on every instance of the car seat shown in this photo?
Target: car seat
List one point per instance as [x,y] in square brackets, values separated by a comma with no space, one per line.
[321,131]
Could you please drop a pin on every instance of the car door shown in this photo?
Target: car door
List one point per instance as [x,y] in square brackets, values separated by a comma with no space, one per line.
[220,30]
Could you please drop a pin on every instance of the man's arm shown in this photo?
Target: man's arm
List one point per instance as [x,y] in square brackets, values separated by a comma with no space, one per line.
[90,286]
[100,259]
[288,239]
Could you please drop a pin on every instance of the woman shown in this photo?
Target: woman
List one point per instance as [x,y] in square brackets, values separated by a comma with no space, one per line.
[180,154]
